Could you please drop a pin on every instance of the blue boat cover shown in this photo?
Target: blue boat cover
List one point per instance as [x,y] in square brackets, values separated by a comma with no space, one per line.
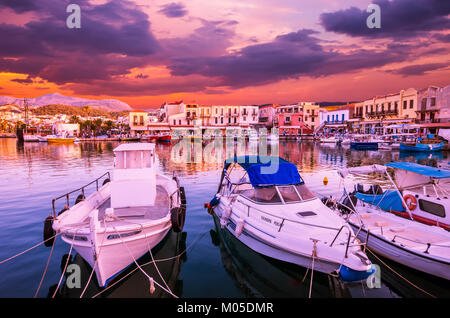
[284,172]
[387,202]
[420,169]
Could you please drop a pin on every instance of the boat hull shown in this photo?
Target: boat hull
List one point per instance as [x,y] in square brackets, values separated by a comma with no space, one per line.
[61,140]
[401,255]
[364,145]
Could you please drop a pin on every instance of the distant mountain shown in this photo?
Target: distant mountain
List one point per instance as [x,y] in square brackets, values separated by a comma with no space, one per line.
[56,98]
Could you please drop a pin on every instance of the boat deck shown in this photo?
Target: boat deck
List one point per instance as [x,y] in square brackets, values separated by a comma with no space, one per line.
[405,235]
[154,212]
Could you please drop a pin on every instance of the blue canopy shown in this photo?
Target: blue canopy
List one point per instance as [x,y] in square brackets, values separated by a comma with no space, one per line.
[284,172]
[420,169]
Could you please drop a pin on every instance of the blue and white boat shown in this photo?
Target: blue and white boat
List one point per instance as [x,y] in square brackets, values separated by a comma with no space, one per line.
[264,202]
[421,147]
[407,222]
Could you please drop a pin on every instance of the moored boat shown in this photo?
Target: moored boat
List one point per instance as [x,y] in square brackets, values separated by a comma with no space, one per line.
[407,223]
[125,217]
[264,203]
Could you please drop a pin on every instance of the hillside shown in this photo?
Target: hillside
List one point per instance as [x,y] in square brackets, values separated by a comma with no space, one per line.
[58,99]
[73,110]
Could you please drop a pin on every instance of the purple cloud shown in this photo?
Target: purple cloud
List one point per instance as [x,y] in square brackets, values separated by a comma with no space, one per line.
[418,69]
[399,18]
[174,10]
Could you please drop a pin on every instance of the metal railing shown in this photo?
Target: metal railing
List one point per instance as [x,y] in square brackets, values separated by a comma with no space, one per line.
[82,189]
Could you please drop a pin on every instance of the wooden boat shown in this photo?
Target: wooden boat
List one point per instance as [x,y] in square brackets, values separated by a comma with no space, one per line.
[124,218]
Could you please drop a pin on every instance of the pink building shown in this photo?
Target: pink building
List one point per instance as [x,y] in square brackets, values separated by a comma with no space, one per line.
[290,122]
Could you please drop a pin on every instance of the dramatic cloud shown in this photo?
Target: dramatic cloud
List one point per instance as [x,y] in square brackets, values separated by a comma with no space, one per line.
[399,18]
[114,38]
[419,69]
[289,56]
[174,10]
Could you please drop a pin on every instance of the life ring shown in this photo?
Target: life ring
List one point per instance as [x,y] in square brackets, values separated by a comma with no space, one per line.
[411,206]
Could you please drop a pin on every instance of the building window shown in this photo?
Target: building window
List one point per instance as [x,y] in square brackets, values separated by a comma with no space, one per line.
[174,122]
[235,120]
[424,102]
[405,104]
[216,120]
[433,101]
[179,122]
[371,108]
[328,118]
[389,107]
[221,120]
[367,108]
[343,117]
[411,103]
[245,118]
[288,119]
[396,106]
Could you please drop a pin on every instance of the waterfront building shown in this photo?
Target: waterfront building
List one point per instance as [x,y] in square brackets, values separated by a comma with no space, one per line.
[289,119]
[310,114]
[340,118]
[434,105]
[138,120]
[267,116]
[387,110]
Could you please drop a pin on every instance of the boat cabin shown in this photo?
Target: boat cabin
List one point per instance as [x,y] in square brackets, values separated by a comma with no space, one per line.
[264,180]
[134,176]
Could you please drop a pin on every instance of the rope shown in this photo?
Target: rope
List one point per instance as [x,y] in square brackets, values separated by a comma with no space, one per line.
[134,260]
[95,263]
[45,270]
[422,290]
[314,254]
[160,260]
[12,257]
[65,267]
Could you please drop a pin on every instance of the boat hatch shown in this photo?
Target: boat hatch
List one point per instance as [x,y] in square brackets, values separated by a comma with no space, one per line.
[277,194]
[306,213]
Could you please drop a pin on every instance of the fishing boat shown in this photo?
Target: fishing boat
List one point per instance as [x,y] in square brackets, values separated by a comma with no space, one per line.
[264,203]
[408,222]
[60,139]
[164,138]
[124,218]
[331,139]
[422,145]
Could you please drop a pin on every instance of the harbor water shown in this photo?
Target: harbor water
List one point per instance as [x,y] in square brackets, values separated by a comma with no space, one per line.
[203,261]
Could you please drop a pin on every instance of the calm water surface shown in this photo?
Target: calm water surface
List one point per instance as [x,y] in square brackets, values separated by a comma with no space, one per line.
[215,265]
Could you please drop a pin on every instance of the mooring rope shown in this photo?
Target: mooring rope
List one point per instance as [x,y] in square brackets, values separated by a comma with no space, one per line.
[422,290]
[45,270]
[65,267]
[156,261]
[137,264]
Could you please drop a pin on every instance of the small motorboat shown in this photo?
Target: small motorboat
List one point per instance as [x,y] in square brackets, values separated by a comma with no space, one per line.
[331,139]
[264,203]
[125,217]
[407,223]
[60,139]
[31,138]
[422,146]
[363,145]
[164,138]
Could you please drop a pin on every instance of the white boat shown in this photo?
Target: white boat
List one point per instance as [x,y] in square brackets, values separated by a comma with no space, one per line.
[124,218]
[273,213]
[30,138]
[408,223]
[331,139]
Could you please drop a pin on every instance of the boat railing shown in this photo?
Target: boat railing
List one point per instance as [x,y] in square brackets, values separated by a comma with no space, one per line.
[105,176]
[418,242]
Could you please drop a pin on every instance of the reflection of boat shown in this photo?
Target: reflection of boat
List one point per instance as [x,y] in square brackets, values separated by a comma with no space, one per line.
[124,218]
[421,155]
[168,254]
[398,226]
[268,205]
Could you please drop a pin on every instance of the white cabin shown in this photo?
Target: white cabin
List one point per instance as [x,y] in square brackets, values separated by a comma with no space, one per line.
[134,177]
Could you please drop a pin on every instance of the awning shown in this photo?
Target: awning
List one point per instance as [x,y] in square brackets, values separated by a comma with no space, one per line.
[362,170]
[267,171]
[428,171]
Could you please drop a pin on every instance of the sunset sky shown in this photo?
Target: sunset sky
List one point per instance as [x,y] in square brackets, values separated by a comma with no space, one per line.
[222,51]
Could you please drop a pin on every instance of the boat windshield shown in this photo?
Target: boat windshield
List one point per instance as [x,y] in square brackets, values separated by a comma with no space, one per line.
[271,195]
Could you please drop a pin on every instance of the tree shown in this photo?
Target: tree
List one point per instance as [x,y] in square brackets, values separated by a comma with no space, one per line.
[74,119]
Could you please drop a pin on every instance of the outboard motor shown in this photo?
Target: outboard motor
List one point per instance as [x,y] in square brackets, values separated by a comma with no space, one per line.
[348,203]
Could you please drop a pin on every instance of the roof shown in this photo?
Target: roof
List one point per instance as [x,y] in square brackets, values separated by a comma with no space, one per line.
[135,146]
[420,169]
[259,170]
